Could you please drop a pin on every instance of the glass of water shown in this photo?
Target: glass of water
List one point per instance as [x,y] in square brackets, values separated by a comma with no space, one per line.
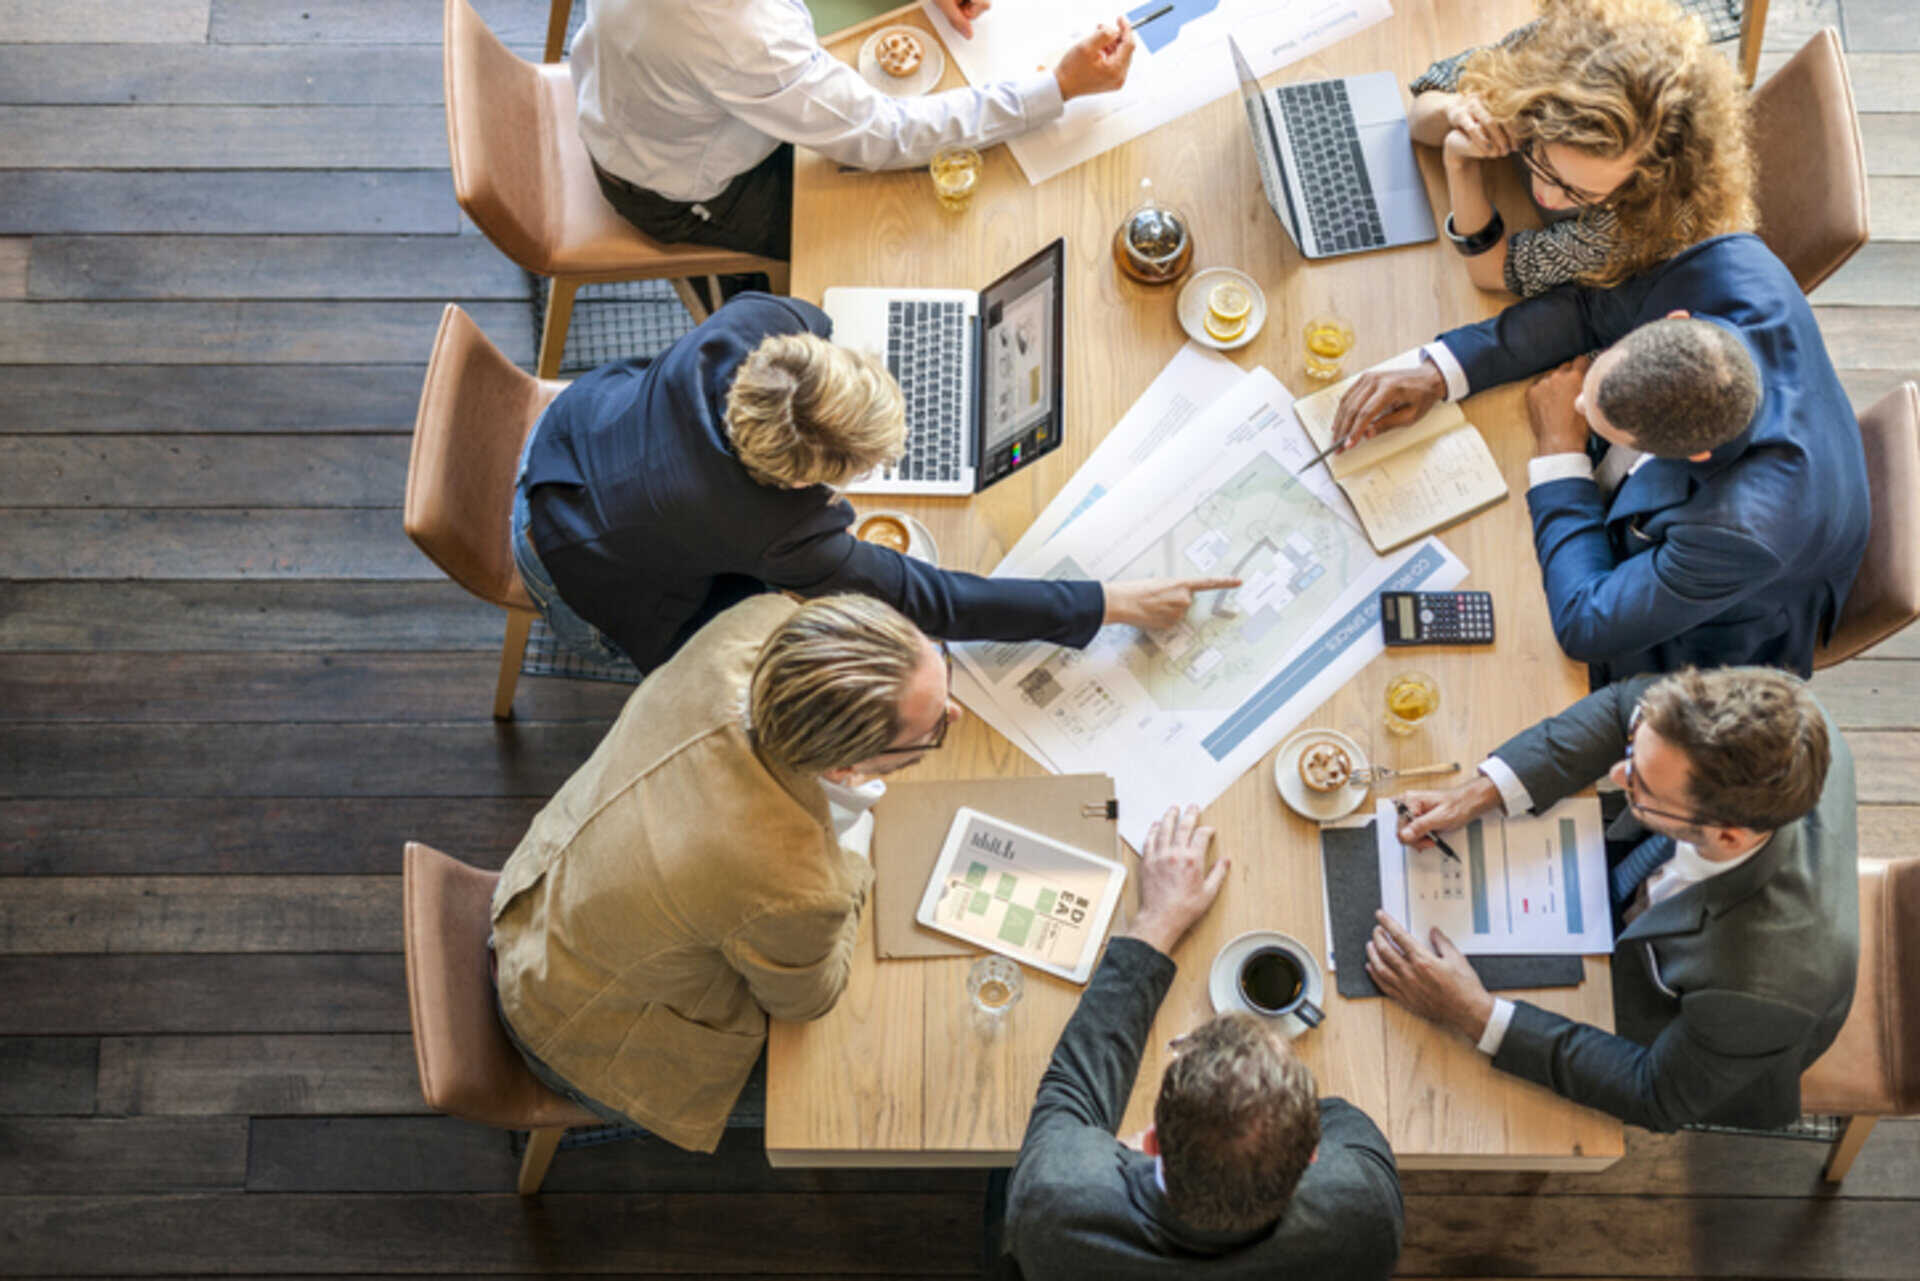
[994,986]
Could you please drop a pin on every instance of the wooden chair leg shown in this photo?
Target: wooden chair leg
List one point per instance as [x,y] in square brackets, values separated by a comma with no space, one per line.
[512,650]
[691,300]
[1753,31]
[553,336]
[541,1145]
[777,279]
[1847,1147]
[557,17]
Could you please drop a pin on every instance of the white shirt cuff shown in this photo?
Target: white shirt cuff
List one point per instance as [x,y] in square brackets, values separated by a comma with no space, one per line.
[1496,1031]
[1449,368]
[1558,467]
[1040,99]
[1514,797]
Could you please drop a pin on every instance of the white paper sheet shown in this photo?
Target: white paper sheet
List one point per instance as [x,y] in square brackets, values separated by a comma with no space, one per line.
[1178,716]
[1180,63]
[1529,884]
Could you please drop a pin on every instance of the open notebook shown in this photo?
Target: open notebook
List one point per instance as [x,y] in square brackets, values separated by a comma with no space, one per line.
[1410,481]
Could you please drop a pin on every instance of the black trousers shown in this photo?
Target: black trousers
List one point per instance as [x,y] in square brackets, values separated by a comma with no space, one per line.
[754,213]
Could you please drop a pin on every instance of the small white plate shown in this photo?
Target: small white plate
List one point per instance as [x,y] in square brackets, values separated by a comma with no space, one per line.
[1223,980]
[933,64]
[920,544]
[1192,306]
[1321,807]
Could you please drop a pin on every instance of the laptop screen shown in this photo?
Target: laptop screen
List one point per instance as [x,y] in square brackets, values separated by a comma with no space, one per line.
[1021,322]
[1266,145]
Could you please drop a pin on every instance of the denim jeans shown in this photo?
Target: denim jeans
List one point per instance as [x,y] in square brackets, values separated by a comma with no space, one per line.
[571,630]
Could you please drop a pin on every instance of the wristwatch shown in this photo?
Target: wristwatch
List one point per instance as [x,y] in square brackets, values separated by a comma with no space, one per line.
[1480,241]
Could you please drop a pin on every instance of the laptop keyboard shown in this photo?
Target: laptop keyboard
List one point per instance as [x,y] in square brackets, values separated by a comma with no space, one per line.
[927,356]
[1326,151]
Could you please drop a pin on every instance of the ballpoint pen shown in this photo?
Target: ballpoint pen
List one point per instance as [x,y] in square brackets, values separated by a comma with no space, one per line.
[1406,816]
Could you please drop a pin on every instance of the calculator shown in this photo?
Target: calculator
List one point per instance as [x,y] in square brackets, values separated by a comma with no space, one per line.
[1437,618]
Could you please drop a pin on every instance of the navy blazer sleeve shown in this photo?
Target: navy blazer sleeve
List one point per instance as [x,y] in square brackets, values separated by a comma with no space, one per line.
[820,556]
[1538,334]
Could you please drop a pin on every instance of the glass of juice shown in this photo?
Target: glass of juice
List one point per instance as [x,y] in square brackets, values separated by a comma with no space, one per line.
[1329,338]
[1411,698]
[955,172]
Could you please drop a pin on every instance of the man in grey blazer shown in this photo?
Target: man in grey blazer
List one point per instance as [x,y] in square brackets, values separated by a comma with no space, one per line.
[1735,881]
[1245,1171]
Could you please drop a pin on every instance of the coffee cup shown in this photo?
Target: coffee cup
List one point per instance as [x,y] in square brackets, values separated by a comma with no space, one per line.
[1273,981]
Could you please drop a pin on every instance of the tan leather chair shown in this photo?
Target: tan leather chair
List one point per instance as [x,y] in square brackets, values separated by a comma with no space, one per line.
[1873,1069]
[468,1067]
[476,409]
[1812,180]
[1886,592]
[523,176]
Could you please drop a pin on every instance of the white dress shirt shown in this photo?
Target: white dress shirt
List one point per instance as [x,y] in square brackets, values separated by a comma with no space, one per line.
[850,807]
[681,97]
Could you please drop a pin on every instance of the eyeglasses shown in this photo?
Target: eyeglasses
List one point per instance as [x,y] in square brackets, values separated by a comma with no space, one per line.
[939,734]
[1633,784]
[1534,157]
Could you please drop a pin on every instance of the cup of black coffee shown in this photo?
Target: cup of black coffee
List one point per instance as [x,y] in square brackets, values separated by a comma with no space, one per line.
[1273,980]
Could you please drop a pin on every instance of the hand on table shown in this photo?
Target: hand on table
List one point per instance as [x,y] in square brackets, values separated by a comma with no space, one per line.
[1176,887]
[1434,982]
[1097,64]
[1443,811]
[961,13]
[1387,398]
[1557,426]
[1155,603]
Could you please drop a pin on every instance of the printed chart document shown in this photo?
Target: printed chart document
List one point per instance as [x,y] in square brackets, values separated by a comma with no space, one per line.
[1178,715]
[1180,63]
[1024,895]
[1410,480]
[1530,884]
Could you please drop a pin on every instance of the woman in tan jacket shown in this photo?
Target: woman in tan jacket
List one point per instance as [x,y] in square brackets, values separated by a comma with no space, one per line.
[689,881]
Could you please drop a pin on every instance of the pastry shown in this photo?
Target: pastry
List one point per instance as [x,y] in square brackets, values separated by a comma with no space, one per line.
[1325,767]
[898,53]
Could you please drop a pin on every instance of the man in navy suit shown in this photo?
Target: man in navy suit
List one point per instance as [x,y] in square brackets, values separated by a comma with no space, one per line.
[1728,510]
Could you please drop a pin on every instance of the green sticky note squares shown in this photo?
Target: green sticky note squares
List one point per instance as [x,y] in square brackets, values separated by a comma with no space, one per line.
[1044,904]
[976,873]
[1005,888]
[978,906]
[1017,925]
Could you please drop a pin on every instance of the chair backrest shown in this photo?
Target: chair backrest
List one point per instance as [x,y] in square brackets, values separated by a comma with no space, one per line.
[476,408]
[1812,180]
[1873,1067]
[468,1067]
[501,140]
[1886,592]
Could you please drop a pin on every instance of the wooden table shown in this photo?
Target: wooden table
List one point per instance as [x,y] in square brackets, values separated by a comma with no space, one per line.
[895,1074]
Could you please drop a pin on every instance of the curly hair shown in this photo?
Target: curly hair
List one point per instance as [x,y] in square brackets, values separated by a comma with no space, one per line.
[1610,77]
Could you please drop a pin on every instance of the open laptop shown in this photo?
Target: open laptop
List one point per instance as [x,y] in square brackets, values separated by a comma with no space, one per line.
[981,373]
[1336,159]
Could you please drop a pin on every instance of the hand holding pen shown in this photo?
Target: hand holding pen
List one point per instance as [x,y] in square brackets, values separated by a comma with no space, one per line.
[1407,820]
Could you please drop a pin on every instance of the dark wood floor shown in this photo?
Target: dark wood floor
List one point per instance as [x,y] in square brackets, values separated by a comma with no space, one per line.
[230,689]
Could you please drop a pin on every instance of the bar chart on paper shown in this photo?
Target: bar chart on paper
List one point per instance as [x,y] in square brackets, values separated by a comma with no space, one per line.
[1530,884]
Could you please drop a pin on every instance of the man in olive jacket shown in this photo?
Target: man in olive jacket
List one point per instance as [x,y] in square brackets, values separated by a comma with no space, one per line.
[690,880]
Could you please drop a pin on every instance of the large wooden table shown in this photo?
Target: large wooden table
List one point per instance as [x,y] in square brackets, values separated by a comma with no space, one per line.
[896,1074]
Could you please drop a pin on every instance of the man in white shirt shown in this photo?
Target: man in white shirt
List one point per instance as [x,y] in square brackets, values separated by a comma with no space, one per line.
[1734,879]
[684,108]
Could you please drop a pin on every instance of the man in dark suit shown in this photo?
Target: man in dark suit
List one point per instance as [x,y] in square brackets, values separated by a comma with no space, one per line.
[1738,893]
[1728,511]
[1244,1173]
[654,495]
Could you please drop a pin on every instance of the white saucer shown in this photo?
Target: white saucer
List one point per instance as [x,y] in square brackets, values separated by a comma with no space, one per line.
[1321,807]
[920,544]
[933,64]
[1223,980]
[1192,306]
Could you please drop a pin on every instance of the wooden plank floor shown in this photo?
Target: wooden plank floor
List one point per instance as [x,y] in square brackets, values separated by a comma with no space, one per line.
[230,689]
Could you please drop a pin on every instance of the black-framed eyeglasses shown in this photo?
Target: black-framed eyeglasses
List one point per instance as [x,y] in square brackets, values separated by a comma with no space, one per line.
[1534,157]
[939,738]
[1633,783]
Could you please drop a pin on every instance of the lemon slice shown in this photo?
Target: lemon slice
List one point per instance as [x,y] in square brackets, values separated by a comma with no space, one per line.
[1225,330]
[1229,302]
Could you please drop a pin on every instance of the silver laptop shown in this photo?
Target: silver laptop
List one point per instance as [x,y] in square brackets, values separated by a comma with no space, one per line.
[1336,159]
[981,373]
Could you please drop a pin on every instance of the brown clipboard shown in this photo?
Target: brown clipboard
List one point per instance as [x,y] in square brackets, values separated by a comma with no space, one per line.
[910,825]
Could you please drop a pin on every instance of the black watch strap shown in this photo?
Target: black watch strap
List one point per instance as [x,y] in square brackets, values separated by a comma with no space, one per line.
[1480,241]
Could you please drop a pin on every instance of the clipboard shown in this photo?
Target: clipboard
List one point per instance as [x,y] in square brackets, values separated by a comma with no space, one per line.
[910,825]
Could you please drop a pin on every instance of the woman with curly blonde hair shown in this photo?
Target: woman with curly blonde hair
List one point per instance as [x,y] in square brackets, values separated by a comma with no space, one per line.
[1631,128]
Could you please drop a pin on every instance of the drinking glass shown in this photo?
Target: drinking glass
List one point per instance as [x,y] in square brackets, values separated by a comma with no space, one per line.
[1329,338]
[955,172]
[994,986]
[1411,698]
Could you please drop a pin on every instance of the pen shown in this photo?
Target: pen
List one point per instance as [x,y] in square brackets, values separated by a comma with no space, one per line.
[1407,816]
[1161,12]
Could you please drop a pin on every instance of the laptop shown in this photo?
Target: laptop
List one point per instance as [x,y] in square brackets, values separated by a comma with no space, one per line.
[1336,159]
[981,373]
